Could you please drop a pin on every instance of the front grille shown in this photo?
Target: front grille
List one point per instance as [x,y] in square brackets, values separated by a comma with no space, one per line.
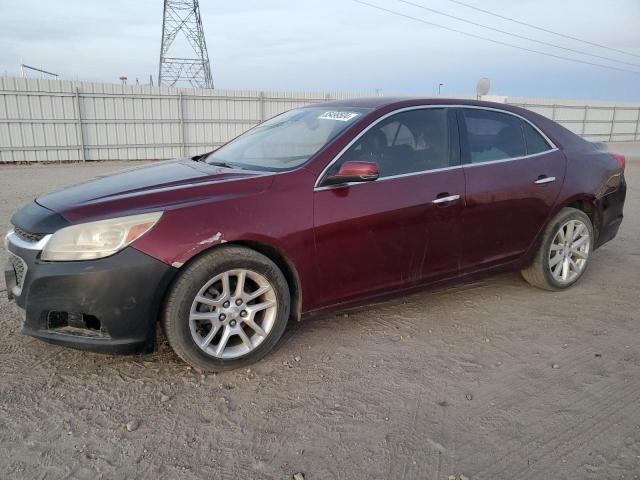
[19,267]
[27,236]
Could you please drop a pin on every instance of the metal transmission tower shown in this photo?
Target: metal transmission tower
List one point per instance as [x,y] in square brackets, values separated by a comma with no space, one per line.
[183,16]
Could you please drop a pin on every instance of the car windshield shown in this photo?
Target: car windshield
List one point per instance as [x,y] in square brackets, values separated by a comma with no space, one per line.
[286,141]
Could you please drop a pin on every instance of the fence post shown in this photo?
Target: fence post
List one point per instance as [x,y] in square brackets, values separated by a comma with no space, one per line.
[181,122]
[584,120]
[261,106]
[79,125]
[613,122]
[635,136]
[553,111]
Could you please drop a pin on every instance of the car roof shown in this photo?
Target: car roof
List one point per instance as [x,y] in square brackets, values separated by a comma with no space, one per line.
[556,132]
[399,102]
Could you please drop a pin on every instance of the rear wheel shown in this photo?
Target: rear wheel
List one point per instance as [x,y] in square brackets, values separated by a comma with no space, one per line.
[564,252]
[227,309]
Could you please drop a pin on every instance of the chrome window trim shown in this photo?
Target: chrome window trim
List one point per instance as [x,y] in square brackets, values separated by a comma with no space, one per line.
[552,145]
[390,177]
[510,159]
[317,187]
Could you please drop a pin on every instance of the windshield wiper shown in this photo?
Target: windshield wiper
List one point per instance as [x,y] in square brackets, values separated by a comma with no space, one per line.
[223,164]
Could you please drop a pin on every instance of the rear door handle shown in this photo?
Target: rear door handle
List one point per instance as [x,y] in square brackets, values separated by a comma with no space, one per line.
[450,198]
[543,180]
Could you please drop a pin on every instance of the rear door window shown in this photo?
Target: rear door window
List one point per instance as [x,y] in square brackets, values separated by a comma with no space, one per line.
[534,141]
[492,135]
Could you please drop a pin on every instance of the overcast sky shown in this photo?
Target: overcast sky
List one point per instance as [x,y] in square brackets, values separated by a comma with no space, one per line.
[337,45]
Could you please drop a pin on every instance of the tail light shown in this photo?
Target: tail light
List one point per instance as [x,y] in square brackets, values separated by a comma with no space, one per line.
[620,159]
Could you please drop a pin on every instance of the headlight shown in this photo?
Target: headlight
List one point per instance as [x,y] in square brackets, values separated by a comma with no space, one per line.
[99,239]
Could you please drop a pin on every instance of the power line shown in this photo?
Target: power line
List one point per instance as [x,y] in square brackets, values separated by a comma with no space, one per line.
[593,44]
[499,42]
[548,44]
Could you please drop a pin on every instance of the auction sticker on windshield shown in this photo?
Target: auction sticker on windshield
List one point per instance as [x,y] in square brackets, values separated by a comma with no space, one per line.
[340,116]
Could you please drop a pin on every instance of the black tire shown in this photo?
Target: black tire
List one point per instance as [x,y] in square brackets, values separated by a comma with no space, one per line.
[177,308]
[539,273]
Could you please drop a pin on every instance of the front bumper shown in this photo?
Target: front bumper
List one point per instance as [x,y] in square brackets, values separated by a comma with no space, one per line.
[108,305]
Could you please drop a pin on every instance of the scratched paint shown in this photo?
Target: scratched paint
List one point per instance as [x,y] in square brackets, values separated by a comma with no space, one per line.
[215,238]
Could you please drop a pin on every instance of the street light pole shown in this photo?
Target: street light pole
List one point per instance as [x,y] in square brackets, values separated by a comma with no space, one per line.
[439,86]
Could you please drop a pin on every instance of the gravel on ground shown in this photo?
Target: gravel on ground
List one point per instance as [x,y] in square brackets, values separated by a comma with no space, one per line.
[486,380]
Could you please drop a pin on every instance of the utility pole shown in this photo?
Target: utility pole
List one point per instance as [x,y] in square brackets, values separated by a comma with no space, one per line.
[182,17]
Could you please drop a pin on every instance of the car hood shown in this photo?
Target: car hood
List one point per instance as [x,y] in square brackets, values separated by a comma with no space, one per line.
[156,186]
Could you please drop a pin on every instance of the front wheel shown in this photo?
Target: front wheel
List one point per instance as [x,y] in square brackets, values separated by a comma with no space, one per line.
[227,309]
[564,252]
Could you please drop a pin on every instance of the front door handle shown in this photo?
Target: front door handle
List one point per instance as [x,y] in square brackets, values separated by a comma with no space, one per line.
[450,198]
[542,180]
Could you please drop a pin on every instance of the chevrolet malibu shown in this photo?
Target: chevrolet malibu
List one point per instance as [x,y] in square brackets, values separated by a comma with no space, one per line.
[317,209]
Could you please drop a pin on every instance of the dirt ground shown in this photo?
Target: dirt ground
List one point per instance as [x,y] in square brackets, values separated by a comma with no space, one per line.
[490,380]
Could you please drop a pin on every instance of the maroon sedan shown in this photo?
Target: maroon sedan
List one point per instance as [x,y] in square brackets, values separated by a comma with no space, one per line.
[319,208]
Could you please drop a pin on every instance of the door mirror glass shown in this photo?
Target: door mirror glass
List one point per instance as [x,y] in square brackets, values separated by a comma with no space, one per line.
[354,172]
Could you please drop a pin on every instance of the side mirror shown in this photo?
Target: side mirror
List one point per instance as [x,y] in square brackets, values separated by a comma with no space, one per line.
[354,172]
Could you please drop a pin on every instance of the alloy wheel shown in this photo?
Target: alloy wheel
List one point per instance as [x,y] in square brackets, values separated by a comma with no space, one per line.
[569,251]
[233,313]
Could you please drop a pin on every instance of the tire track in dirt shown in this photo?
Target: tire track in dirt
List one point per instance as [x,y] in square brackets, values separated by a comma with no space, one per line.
[561,455]
[566,358]
[413,451]
[552,440]
[502,412]
[401,439]
[524,382]
[623,408]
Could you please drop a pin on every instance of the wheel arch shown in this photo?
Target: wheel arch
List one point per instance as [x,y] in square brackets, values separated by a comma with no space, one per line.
[588,205]
[276,256]
[285,265]
[584,203]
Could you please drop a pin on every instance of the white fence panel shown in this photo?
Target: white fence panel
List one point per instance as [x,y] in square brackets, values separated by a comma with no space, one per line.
[595,121]
[51,120]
